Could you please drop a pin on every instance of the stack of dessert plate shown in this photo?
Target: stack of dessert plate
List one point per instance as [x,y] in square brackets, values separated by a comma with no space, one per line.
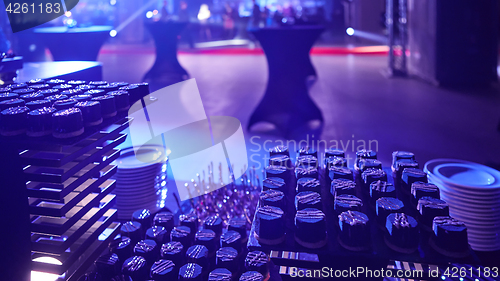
[473,193]
[138,183]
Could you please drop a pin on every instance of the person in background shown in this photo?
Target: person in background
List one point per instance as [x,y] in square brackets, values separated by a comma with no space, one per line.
[203,15]
[164,11]
[256,14]
[186,34]
[229,20]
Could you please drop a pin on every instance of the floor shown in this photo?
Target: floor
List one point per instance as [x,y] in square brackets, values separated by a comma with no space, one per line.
[359,104]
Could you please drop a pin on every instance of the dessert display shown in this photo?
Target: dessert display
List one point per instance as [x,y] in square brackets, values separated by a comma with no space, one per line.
[67,123]
[402,233]
[334,152]
[308,199]
[310,228]
[144,217]
[13,121]
[95,93]
[364,164]
[72,92]
[190,220]
[269,225]
[40,122]
[305,150]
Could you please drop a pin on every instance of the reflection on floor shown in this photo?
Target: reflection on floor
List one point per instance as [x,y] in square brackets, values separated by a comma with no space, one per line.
[359,104]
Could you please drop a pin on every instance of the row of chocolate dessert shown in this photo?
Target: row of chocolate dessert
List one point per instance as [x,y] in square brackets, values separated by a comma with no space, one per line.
[401,210]
[152,247]
[310,225]
[62,108]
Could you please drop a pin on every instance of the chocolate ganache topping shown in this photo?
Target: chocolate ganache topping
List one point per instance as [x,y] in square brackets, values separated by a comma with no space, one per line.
[353,218]
[162,266]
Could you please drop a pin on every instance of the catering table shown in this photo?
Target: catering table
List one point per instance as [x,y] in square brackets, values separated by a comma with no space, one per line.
[166,65]
[286,101]
[77,43]
[67,70]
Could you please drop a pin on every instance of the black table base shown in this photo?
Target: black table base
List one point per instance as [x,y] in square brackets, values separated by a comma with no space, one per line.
[286,102]
[166,66]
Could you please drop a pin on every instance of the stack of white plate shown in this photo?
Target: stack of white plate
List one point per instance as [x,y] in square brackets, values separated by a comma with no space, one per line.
[473,193]
[138,182]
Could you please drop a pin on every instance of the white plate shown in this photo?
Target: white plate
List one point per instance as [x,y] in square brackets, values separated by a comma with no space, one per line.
[469,191]
[464,173]
[128,159]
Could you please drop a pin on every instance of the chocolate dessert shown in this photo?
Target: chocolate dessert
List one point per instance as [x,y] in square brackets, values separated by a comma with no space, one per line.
[136,267]
[214,223]
[274,184]
[239,224]
[308,184]
[272,197]
[17,102]
[158,234]
[122,247]
[131,229]
[342,186]
[220,274]
[354,231]
[306,150]
[91,112]
[147,249]
[310,228]
[191,272]
[306,161]
[385,206]
[402,233]
[163,270]
[108,265]
[227,257]
[252,276]
[334,152]
[347,202]
[40,122]
[371,175]
[165,219]
[173,251]
[13,121]
[308,199]
[32,105]
[449,237]
[379,189]
[121,100]
[280,161]
[207,238]
[108,106]
[338,162]
[429,208]
[32,97]
[306,172]
[257,261]
[231,239]
[64,104]
[339,173]
[279,150]
[198,254]
[181,234]
[269,225]
[409,176]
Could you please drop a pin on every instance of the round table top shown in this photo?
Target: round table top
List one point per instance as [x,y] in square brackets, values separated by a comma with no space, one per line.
[65,29]
[302,27]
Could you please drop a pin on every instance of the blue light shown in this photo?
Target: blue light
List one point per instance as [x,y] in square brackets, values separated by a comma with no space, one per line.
[113,33]
[149,14]
[443,277]
[350,32]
